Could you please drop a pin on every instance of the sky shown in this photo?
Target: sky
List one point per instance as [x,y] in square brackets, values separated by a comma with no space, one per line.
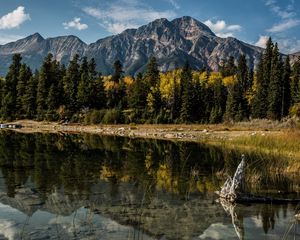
[251,21]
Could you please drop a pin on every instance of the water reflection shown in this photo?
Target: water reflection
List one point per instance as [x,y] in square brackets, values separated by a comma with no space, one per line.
[87,186]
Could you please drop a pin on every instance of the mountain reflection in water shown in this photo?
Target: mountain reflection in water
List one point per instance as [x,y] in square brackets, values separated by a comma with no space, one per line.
[57,186]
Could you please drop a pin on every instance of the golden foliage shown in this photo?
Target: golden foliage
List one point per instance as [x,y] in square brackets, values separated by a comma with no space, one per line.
[128,80]
[214,77]
[230,80]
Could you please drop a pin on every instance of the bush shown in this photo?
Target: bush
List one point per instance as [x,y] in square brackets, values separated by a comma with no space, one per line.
[112,116]
[295,110]
[96,116]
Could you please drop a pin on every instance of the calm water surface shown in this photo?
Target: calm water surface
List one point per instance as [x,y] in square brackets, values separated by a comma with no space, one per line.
[58,186]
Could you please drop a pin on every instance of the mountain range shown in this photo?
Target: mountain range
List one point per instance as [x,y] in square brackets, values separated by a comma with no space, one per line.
[171,42]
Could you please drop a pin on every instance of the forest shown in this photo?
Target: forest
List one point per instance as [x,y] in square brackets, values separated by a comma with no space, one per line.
[78,93]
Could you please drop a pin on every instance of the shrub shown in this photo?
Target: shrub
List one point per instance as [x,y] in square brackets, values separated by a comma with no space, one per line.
[96,116]
[112,116]
[295,110]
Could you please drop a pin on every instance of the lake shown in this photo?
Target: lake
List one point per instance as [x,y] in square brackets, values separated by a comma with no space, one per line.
[64,186]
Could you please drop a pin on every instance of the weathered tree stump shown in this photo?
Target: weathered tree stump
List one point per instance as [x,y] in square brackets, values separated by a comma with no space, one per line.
[233,190]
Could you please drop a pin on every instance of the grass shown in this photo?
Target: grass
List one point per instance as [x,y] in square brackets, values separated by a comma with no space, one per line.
[285,144]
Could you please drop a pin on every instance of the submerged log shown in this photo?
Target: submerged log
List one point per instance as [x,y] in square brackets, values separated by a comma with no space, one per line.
[233,190]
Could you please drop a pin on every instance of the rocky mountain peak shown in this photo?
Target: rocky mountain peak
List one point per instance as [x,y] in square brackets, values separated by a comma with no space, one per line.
[35,37]
[171,42]
[191,28]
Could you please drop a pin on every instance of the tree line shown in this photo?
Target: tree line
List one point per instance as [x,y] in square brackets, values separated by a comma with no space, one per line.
[79,93]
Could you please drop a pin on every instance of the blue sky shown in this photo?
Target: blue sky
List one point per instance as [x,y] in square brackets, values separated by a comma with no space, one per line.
[249,20]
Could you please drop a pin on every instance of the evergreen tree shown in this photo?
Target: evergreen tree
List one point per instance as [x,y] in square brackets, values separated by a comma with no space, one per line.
[118,71]
[243,74]
[115,95]
[2,83]
[29,100]
[24,76]
[275,91]
[46,77]
[175,103]
[97,97]
[218,102]
[259,106]
[71,81]
[152,73]
[186,112]
[295,83]
[236,106]
[84,87]
[8,105]
[10,88]
[229,68]
[286,88]
[137,97]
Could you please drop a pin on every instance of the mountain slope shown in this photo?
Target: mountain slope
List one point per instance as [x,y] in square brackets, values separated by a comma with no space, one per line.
[171,42]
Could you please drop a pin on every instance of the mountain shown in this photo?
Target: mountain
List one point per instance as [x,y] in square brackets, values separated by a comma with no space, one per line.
[294,57]
[171,42]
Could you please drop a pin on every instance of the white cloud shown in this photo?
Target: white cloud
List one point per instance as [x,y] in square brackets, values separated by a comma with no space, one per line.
[14,19]
[7,38]
[174,3]
[287,16]
[290,45]
[262,41]
[126,14]
[289,12]
[221,29]
[285,25]
[76,24]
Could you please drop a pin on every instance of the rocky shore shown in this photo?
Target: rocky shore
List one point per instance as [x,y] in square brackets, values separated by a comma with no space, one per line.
[190,133]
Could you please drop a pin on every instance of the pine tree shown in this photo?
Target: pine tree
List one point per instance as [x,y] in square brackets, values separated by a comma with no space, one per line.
[259,106]
[97,95]
[24,76]
[152,73]
[137,97]
[29,100]
[218,101]
[118,71]
[186,112]
[71,81]
[10,88]
[84,87]
[243,74]
[275,91]
[52,103]
[46,77]
[175,103]
[8,104]
[2,84]
[229,69]
[295,83]
[286,88]
[115,96]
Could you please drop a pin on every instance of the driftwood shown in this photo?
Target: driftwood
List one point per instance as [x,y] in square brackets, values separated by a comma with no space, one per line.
[233,190]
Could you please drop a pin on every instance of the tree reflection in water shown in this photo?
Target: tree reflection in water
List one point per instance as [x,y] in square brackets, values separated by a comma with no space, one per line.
[162,187]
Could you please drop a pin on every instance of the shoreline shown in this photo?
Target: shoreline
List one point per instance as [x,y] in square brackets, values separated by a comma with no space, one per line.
[275,140]
[181,132]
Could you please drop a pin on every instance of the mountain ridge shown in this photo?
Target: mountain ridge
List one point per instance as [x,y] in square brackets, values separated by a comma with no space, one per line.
[171,42]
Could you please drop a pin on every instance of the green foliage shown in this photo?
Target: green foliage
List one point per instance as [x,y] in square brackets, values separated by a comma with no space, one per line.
[295,110]
[260,106]
[275,87]
[80,93]
[112,116]
[71,81]
[186,112]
